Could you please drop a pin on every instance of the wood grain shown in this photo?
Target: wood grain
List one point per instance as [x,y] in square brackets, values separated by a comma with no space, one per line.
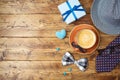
[34,25]
[40,48]
[28,42]
[51,76]
[41,69]
[35,6]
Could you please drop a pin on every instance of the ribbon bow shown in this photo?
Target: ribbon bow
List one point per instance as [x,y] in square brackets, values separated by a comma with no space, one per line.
[75,8]
[81,63]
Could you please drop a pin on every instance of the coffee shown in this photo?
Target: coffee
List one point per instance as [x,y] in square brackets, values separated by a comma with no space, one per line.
[86,38]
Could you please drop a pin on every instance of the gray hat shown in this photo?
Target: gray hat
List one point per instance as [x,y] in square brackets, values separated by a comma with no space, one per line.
[106,15]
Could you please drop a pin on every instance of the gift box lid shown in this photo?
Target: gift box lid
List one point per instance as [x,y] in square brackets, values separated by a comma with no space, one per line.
[74,10]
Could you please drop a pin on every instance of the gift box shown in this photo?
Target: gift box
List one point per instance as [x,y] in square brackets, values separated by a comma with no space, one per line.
[71,10]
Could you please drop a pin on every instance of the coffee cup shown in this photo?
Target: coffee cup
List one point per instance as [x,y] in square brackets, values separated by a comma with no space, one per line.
[85,38]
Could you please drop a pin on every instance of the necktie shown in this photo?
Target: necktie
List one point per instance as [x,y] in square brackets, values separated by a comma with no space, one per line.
[109,57]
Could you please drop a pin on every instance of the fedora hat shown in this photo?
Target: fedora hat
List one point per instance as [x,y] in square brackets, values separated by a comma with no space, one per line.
[105,15]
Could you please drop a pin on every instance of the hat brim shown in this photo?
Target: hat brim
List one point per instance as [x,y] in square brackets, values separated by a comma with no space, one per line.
[103,26]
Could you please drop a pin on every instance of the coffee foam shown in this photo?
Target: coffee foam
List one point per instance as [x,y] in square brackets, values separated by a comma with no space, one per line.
[86,38]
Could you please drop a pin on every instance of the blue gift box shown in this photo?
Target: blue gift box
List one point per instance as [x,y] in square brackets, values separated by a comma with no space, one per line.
[71,10]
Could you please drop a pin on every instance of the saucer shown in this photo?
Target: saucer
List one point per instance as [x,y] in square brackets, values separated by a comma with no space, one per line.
[78,29]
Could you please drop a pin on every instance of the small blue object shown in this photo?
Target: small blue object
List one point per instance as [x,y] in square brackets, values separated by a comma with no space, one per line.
[57,49]
[61,34]
[64,73]
[71,10]
[69,69]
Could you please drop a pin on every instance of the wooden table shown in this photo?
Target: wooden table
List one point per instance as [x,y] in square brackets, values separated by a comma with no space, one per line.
[28,43]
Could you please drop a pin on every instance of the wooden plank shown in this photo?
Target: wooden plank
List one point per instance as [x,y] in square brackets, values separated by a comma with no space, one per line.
[41,48]
[22,33]
[28,43]
[96,76]
[51,70]
[105,77]
[119,77]
[41,66]
[43,43]
[35,6]
[105,40]
[32,43]
[40,55]
[38,22]
[54,76]
[34,25]
[35,75]
[32,22]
